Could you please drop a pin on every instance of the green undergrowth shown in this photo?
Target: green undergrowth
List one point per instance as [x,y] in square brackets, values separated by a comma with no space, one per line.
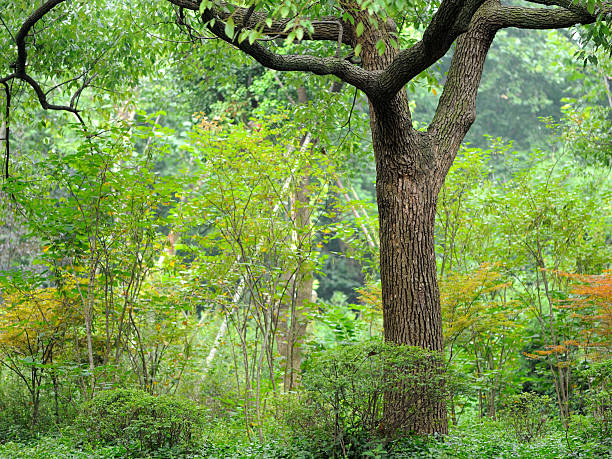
[476,440]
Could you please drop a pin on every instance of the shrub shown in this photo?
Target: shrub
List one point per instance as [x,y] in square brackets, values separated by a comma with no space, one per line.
[527,414]
[125,416]
[599,396]
[341,405]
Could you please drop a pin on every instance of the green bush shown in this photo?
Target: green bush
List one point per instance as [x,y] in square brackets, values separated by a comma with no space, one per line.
[126,416]
[340,407]
[591,423]
[599,396]
[527,414]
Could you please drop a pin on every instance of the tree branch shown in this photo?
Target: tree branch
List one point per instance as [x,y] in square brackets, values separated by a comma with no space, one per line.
[328,28]
[456,110]
[22,53]
[538,18]
[570,5]
[343,69]
[452,19]
[7,134]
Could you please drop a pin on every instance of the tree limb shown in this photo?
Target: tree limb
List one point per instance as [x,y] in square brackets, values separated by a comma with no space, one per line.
[501,17]
[570,5]
[22,53]
[456,109]
[327,28]
[6,133]
[351,74]
[452,19]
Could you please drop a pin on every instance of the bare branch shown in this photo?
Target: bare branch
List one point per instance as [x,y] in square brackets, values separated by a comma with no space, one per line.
[538,18]
[570,5]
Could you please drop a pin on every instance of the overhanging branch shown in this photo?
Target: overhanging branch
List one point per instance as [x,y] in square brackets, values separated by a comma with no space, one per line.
[22,53]
[341,68]
[570,5]
[536,18]
[457,106]
[19,66]
[328,28]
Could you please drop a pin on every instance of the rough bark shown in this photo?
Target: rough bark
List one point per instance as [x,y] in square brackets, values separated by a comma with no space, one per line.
[407,196]
[411,167]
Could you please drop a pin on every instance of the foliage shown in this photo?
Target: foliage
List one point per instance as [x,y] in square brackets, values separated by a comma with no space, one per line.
[343,391]
[599,398]
[35,321]
[34,327]
[476,439]
[480,326]
[124,416]
[182,261]
[527,414]
[339,323]
[591,302]
[465,304]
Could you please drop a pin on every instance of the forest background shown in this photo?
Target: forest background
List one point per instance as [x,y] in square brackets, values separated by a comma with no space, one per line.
[197,272]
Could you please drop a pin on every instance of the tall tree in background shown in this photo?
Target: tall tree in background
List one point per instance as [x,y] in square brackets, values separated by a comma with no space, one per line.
[411,165]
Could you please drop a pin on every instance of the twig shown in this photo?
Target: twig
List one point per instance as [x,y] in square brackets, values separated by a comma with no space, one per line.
[7,28]
[6,133]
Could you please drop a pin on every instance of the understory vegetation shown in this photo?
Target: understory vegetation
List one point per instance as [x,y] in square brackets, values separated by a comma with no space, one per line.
[193,268]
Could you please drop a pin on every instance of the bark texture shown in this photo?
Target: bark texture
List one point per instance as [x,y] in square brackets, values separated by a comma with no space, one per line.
[411,168]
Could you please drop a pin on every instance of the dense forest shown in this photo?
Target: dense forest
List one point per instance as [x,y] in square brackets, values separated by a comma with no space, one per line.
[305,229]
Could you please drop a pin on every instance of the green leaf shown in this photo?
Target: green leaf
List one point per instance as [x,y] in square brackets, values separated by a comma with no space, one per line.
[253,35]
[291,37]
[359,29]
[204,5]
[381,47]
[358,49]
[591,6]
[229,28]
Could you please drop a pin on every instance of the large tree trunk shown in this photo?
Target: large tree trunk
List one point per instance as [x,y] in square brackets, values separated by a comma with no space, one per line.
[407,190]
[408,178]
[411,167]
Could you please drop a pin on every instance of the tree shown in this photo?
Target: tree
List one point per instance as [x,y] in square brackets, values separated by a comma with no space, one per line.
[33,329]
[411,165]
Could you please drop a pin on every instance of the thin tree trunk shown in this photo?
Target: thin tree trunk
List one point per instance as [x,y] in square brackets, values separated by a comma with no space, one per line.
[303,293]
[242,283]
[293,328]
[356,213]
